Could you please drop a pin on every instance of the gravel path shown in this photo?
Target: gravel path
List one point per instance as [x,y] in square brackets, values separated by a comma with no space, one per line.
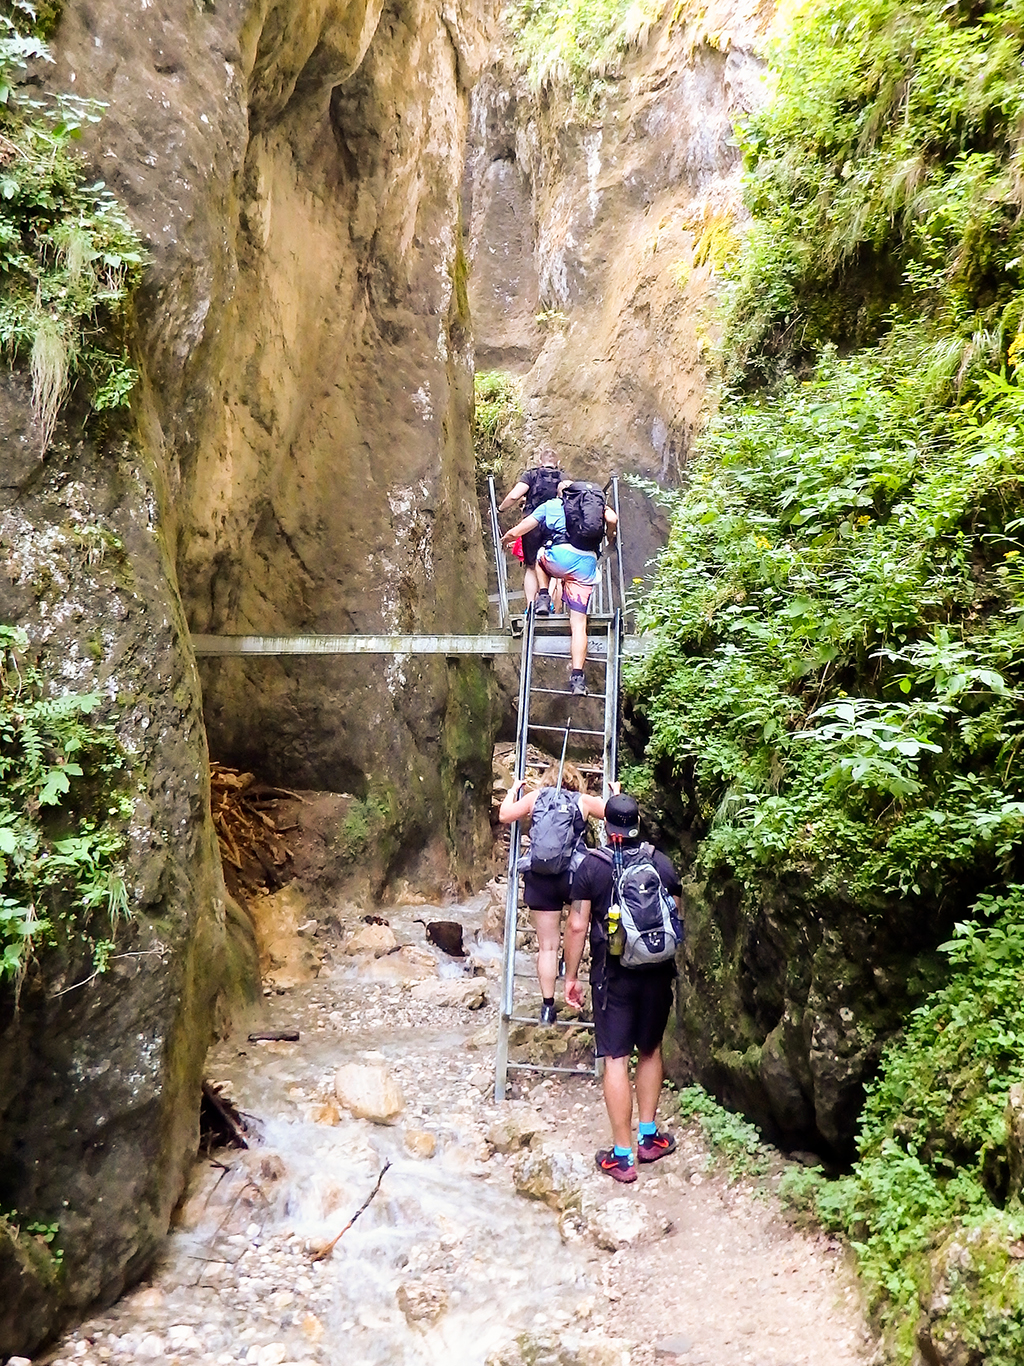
[449,1263]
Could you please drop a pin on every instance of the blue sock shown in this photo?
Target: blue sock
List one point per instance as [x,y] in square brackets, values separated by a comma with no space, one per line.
[623,1152]
[647,1131]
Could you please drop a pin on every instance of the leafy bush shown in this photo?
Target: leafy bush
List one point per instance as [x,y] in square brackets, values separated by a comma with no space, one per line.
[60,873]
[730,1136]
[577,42]
[68,254]
[886,169]
[933,1145]
[497,425]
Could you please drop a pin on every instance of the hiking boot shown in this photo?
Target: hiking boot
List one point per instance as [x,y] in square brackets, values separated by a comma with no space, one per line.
[542,603]
[654,1146]
[578,683]
[548,1015]
[618,1168]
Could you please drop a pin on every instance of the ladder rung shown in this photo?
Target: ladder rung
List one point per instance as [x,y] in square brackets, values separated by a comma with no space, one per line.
[563,1024]
[573,730]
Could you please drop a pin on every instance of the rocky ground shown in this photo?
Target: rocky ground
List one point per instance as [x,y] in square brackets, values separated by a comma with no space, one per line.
[491,1237]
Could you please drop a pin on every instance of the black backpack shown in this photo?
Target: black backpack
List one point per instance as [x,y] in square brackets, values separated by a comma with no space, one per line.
[544,482]
[643,924]
[556,828]
[584,515]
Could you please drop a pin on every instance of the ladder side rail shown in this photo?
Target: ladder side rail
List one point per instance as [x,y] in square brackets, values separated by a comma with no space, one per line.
[611,703]
[500,564]
[508,984]
[618,547]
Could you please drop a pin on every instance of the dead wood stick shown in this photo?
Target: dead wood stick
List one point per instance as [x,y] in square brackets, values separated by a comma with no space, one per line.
[224,1114]
[320,1253]
[276,1036]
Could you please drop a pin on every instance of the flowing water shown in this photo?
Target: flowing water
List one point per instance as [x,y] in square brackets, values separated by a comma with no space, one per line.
[446,1263]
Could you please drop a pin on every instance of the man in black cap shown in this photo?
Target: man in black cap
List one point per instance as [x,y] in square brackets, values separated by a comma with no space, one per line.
[631,1005]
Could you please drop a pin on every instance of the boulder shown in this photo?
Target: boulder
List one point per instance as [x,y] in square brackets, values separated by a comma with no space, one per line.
[548,1174]
[369,1091]
[517,1125]
[470,992]
[419,1142]
[592,1348]
[421,1301]
[623,1222]
[375,940]
[287,957]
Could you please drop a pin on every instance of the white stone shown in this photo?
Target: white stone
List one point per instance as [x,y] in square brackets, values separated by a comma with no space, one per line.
[151,1347]
[371,939]
[369,1091]
[470,992]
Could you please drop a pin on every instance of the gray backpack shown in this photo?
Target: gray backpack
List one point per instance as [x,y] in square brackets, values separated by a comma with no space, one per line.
[556,830]
[643,909]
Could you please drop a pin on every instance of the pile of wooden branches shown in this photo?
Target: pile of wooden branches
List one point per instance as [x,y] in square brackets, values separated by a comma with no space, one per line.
[253,847]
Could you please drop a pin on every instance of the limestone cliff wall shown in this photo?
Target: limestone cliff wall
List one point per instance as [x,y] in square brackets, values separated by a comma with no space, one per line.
[594,240]
[298,458]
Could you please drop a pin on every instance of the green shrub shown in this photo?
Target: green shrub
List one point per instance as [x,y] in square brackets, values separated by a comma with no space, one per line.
[69,258]
[497,425]
[730,1136]
[61,815]
[575,42]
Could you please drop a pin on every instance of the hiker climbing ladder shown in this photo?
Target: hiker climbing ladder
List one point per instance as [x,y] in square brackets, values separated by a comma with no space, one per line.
[589,724]
[518,982]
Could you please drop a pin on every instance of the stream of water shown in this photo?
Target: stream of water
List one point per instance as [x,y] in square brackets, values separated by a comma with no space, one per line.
[446,1264]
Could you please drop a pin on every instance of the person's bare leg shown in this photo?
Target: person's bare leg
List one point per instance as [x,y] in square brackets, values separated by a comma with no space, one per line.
[530,583]
[578,644]
[650,1073]
[618,1100]
[546,923]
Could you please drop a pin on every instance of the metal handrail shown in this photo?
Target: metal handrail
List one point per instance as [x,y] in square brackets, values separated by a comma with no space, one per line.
[500,566]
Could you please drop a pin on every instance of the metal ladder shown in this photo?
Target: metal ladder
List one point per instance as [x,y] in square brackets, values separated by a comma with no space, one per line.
[545,642]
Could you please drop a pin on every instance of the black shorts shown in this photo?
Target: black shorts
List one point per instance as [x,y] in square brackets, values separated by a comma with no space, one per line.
[546,891]
[532,542]
[633,1011]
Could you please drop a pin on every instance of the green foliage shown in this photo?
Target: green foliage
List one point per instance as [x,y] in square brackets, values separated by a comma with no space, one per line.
[60,808]
[730,1136]
[886,167]
[364,821]
[497,425]
[933,1141]
[69,257]
[841,653]
[577,42]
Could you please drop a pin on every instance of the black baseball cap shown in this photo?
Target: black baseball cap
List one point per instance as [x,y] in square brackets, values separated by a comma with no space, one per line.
[622,816]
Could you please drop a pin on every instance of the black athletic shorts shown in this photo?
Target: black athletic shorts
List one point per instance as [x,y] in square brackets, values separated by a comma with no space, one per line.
[546,891]
[532,542]
[633,1011]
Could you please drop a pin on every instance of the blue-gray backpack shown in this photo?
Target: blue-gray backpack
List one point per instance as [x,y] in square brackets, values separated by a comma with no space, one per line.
[646,914]
[556,830]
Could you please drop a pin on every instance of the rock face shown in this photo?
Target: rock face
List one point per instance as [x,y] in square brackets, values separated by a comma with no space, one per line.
[594,242]
[304,334]
[100,1075]
[298,459]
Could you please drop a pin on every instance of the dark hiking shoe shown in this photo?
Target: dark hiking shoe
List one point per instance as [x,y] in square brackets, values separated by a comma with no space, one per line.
[654,1146]
[542,605]
[578,683]
[618,1168]
[548,1015]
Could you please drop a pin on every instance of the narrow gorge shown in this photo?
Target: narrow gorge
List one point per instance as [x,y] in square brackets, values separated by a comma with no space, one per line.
[267,268]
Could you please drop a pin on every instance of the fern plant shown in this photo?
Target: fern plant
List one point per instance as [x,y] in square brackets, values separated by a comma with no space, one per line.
[61,811]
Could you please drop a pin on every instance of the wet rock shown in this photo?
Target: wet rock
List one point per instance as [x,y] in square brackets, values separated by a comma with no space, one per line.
[548,1174]
[470,992]
[447,935]
[585,1349]
[409,964]
[369,1091]
[377,940]
[287,958]
[486,1038]
[419,1142]
[422,1302]
[327,1113]
[623,1222]
[151,1348]
[516,1127]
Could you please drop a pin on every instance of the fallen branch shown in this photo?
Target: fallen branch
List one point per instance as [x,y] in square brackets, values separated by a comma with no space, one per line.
[276,1036]
[320,1253]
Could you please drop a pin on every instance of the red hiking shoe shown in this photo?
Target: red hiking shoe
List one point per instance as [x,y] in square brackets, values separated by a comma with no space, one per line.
[618,1168]
[654,1146]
